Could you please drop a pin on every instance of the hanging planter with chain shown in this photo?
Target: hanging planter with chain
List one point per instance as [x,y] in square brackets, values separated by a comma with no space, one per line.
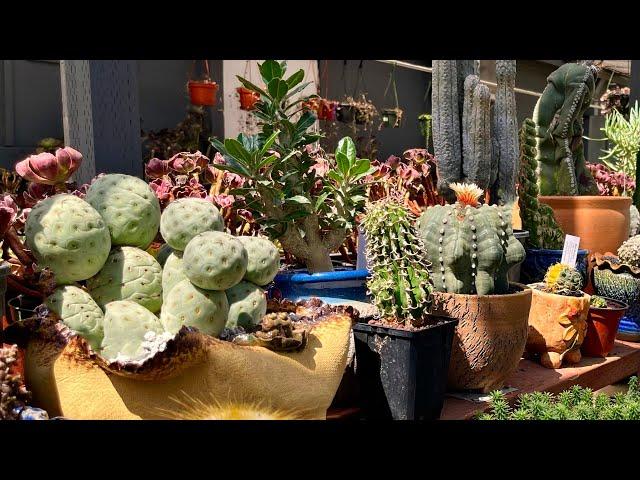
[350,110]
[248,98]
[202,92]
[391,117]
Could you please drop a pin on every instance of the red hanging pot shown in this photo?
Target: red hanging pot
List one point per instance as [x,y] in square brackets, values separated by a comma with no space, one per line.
[248,98]
[327,110]
[203,92]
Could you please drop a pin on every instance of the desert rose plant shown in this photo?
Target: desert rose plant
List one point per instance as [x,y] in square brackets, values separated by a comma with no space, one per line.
[302,197]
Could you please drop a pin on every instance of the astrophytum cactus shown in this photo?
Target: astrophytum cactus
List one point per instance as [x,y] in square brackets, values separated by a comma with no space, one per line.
[471,246]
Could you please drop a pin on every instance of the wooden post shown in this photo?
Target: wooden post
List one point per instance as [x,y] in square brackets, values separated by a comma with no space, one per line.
[101,116]
[634,94]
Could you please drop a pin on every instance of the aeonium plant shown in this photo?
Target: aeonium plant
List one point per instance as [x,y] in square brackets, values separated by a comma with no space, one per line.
[305,199]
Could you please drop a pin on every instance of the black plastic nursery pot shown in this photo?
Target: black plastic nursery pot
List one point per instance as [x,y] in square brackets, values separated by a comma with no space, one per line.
[345,113]
[403,374]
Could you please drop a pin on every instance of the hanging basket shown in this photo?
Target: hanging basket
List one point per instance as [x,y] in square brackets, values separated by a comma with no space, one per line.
[248,98]
[203,92]
[391,117]
[327,110]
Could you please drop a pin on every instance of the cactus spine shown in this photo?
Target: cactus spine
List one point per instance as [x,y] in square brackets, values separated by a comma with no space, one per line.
[471,246]
[563,279]
[537,218]
[462,114]
[399,281]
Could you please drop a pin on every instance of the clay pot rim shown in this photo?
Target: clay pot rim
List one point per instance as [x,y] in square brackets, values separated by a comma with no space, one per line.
[600,261]
[585,198]
[533,286]
[623,306]
[524,291]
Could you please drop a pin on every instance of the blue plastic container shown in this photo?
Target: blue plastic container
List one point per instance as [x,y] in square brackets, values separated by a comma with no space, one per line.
[331,287]
[538,260]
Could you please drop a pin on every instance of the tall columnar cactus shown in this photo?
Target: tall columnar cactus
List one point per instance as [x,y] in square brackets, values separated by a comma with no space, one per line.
[471,246]
[537,218]
[399,281]
[558,117]
[475,141]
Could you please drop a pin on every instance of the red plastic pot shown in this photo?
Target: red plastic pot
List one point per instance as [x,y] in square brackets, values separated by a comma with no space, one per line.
[602,326]
[327,110]
[247,98]
[202,92]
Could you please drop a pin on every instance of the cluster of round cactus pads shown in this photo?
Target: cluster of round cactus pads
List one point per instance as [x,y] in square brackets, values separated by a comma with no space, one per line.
[120,298]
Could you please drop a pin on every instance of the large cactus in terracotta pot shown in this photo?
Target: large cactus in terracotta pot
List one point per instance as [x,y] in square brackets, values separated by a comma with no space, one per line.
[475,141]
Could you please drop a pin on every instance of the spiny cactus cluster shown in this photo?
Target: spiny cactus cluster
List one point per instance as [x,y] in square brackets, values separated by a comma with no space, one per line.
[400,281]
[537,218]
[471,246]
[210,279]
[563,279]
[471,144]
[629,251]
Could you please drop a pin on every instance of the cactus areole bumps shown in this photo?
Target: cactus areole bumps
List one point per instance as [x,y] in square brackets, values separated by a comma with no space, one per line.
[471,246]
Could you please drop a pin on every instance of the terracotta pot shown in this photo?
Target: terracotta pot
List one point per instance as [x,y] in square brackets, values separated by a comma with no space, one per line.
[248,98]
[557,326]
[490,337]
[203,92]
[602,327]
[602,223]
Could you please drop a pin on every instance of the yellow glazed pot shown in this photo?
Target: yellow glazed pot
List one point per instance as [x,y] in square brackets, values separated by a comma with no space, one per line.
[557,326]
[196,377]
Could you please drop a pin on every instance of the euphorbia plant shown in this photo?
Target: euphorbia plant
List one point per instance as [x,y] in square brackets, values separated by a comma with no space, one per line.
[303,198]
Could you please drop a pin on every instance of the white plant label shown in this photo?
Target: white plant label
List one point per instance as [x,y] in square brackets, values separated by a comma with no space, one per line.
[361,260]
[570,250]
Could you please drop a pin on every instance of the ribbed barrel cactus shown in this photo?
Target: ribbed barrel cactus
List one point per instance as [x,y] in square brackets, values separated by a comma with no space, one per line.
[471,246]
[400,281]
[537,218]
[563,279]
[472,143]
[558,117]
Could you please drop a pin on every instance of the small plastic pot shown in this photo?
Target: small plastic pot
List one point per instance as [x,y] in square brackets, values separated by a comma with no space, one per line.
[403,374]
[203,92]
[602,327]
[345,113]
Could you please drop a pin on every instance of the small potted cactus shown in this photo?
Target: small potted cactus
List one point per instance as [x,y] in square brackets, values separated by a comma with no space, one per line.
[558,317]
[402,355]
[618,277]
[602,325]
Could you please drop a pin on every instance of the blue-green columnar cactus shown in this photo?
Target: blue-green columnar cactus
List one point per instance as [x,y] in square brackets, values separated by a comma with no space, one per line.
[471,246]
[400,281]
[475,143]
[558,116]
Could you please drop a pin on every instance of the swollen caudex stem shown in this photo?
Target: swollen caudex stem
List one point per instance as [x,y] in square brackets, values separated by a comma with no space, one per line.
[471,246]
[400,281]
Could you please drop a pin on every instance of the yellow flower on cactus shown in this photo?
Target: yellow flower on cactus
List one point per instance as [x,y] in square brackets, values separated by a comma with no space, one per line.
[467,193]
[553,273]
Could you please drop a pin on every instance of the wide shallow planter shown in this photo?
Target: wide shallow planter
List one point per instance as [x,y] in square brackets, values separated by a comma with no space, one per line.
[202,92]
[602,327]
[557,327]
[403,374]
[621,283]
[196,376]
[331,287]
[602,223]
[538,261]
[490,336]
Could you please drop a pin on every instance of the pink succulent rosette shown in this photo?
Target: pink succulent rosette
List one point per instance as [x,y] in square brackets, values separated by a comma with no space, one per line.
[50,169]
[157,168]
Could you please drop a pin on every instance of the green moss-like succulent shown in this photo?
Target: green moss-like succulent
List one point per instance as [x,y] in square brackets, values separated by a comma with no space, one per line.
[399,282]
[577,403]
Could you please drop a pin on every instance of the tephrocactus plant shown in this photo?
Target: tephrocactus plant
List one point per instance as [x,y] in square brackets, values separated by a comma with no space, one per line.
[563,279]
[400,281]
[471,246]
